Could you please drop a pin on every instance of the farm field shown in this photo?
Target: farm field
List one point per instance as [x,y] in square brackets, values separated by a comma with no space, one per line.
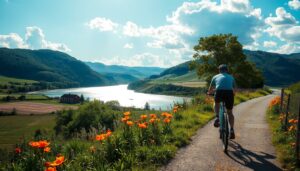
[12,128]
[27,108]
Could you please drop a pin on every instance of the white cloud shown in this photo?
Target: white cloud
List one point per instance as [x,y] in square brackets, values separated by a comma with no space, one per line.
[102,24]
[284,26]
[34,39]
[269,44]
[12,40]
[143,59]
[288,48]
[128,46]
[294,4]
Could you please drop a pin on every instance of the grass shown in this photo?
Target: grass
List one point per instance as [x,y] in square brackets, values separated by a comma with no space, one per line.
[8,80]
[12,128]
[282,140]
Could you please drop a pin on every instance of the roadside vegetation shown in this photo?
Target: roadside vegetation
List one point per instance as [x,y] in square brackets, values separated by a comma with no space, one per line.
[105,136]
[284,136]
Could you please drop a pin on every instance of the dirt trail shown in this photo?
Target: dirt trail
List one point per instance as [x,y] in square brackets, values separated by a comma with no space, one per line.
[251,150]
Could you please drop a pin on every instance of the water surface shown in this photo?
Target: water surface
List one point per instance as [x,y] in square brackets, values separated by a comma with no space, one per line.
[120,93]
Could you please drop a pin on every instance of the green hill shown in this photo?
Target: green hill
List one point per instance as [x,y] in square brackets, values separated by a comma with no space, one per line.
[137,72]
[55,68]
[278,70]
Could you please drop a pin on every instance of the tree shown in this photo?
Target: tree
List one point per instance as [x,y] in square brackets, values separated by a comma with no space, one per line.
[220,49]
[81,98]
[147,106]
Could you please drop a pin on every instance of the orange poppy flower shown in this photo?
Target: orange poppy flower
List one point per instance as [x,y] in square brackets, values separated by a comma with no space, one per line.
[129,123]
[167,120]
[291,128]
[108,133]
[18,150]
[47,149]
[43,143]
[143,117]
[152,120]
[153,116]
[51,169]
[126,113]
[100,137]
[34,144]
[58,161]
[142,125]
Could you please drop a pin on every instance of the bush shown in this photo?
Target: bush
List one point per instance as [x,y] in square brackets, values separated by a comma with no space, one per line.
[94,114]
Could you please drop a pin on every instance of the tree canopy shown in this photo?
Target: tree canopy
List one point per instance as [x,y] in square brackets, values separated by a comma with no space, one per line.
[220,49]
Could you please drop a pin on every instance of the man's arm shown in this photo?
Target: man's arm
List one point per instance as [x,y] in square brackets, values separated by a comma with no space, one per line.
[234,86]
[211,86]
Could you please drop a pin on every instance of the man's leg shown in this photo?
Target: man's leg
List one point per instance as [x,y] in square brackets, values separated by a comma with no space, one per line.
[231,118]
[217,108]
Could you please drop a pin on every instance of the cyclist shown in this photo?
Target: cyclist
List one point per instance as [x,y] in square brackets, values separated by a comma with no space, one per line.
[223,84]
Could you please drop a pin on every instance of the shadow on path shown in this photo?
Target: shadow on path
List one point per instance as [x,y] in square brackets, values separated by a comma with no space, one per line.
[257,161]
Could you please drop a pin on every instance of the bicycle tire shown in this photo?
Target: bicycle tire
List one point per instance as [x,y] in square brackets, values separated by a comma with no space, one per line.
[225,136]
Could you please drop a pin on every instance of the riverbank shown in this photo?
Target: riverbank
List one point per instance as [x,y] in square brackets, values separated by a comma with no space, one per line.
[145,86]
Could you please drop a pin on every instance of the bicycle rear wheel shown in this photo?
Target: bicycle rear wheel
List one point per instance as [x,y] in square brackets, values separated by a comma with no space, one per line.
[225,133]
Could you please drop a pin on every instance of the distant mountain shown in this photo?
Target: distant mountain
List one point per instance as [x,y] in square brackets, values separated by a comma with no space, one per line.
[278,69]
[137,72]
[53,67]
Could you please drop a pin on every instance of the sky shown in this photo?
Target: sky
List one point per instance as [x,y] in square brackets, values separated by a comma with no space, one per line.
[146,32]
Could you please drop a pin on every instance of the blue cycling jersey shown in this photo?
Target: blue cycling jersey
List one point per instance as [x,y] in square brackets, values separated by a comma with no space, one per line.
[223,81]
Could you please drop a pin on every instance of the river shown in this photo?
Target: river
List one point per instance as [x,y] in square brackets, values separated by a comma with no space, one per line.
[125,97]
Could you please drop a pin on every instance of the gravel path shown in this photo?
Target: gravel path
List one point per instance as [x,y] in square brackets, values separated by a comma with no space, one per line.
[251,150]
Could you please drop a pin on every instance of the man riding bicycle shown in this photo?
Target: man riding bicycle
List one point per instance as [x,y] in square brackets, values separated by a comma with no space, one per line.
[223,84]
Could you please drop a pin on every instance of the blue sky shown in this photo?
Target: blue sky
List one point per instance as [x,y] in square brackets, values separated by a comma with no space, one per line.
[143,32]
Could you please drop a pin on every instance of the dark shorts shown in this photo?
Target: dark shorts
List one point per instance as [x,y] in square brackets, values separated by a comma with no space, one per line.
[225,96]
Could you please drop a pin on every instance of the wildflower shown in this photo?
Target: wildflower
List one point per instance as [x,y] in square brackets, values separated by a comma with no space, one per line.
[291,128]
[34,144]
[295,121]
[39,144]
[43,144]
[291,120]
[167,115]
[47,149]
[100,137]
[153,116]
[142,125]
[126,113]
[167,120]
[129,123]
[274,101]
[51,169]
[175,110]
[18,150]
[143,117]
[58,161]
[164,114]
[108,133]
[152,120]
[124,119]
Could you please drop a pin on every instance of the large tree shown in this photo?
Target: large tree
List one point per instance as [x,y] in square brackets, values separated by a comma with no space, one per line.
[225,49]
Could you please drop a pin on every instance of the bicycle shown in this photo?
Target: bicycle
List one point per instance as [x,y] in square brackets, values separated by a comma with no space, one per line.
[224,125]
